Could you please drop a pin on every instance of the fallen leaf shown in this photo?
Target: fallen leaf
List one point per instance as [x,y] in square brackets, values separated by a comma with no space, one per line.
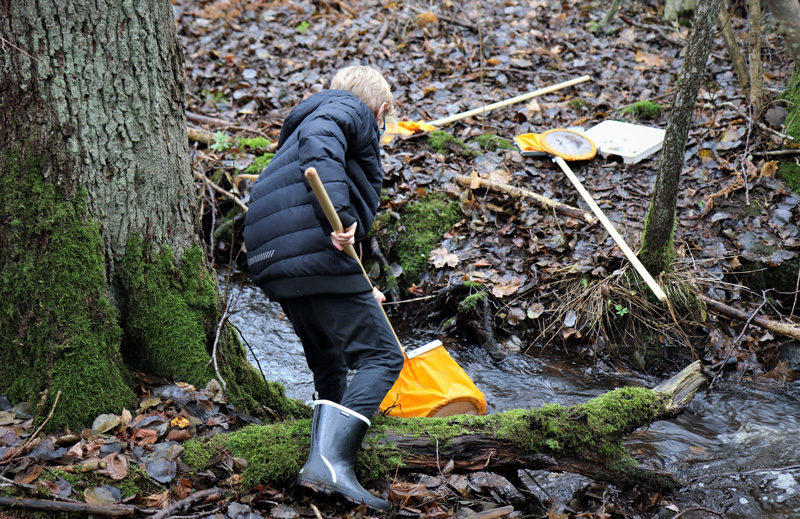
[651,60]
[149,402]
[116,467]
[516,315]
[160,501]
[426,18]
[535,310]
[105,495]
[769,169]
[441,257]
[105,422]
[29,476]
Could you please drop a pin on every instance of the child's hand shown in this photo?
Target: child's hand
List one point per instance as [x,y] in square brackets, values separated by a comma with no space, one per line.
[342,239]
[378,295]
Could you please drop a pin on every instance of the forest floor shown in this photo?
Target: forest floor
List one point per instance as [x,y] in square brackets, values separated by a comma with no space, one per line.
[549,281]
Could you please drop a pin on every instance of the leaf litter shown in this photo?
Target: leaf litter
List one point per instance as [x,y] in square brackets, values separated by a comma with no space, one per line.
[249,63]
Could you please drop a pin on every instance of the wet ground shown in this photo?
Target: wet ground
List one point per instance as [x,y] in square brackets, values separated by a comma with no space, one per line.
[736,447]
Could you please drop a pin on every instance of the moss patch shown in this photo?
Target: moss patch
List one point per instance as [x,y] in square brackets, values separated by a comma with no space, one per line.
[170,311]
[172,322]
[420,227]
[259,163]
[491,142]
[591,431]
[58,328]
[644,110]
[255,144]
[445,143]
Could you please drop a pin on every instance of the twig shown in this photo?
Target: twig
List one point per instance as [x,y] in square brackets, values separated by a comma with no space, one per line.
[517,192]
[376,251]
[761,125]
[6,42]
[266,384]
[796,291]
[423,298]
[204,119]
[733,344]
[52,410]
[222,320]
[316,511]
[218,189]
[188,501]
[730,312]
[777,152]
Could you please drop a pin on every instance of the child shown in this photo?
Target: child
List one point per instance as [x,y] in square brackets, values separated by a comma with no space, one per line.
[333,308]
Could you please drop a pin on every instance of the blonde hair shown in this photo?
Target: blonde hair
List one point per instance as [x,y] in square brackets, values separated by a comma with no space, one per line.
[367,84]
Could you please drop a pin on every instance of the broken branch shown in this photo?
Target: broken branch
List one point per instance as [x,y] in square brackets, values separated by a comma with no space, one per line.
[540,200]
[734,313]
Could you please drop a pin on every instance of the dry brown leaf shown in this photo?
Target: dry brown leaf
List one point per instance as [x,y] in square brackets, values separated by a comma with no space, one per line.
[441,257]
[160,501]
[426,18]
[651,60]
[183,488]
[116,467]
[29,476]
[178,435]
[769,169]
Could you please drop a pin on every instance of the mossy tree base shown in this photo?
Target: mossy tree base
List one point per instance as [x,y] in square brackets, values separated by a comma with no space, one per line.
[585,438]
[61,331]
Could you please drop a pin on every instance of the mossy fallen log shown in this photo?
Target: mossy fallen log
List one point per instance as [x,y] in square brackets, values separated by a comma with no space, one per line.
[584,438]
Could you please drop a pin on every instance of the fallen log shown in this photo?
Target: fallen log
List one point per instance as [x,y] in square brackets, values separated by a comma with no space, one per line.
[518,192]
[584,438]
[724,310]
[54,507]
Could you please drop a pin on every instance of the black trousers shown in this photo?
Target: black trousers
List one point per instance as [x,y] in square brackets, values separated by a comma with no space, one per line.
[341,331]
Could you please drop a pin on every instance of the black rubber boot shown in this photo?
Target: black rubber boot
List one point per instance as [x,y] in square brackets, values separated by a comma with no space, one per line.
[336,435]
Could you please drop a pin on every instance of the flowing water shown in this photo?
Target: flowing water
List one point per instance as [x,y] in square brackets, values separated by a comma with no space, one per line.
[737,448]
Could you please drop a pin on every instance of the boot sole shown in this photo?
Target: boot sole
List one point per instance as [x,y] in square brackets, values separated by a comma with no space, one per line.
[323,487]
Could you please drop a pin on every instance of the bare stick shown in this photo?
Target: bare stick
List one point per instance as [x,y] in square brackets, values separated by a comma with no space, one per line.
[218,189]
[727,311]
[540,200]
[52,410]
[188,501]
[216,342]
[659,293]
[73,508]
[6,42]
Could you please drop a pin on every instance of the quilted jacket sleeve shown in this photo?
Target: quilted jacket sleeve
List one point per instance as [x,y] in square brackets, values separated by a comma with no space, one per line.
[337,131]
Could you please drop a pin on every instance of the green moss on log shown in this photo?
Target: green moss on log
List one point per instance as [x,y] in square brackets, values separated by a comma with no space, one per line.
[592,431]
[58,327]
[421,226]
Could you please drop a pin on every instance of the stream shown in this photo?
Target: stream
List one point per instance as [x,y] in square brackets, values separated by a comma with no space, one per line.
[736,448]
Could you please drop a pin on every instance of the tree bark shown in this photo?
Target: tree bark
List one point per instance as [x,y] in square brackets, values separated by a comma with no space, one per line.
[658,250]
[787,12]
[584,438]
[101,269]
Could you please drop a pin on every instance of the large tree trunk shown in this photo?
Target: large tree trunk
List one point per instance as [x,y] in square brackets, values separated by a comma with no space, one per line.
[658,249]
[584,438]
[101,269]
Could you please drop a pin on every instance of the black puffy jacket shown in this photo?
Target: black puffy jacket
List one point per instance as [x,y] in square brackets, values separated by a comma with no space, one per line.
[287,236]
